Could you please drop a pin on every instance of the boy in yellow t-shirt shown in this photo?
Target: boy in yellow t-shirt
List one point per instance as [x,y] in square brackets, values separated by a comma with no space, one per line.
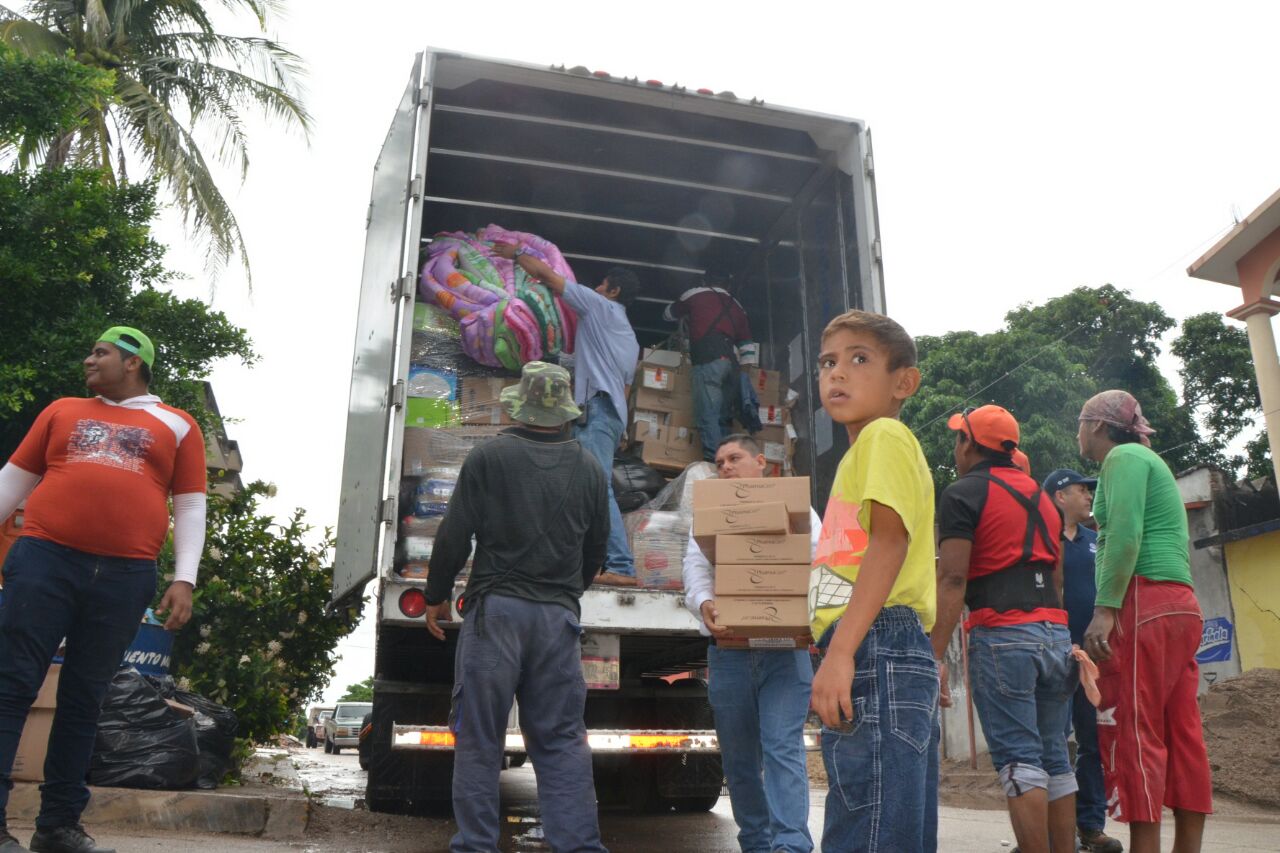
[872,600]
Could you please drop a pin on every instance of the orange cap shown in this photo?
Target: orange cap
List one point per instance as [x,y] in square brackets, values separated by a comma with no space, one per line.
[991,426]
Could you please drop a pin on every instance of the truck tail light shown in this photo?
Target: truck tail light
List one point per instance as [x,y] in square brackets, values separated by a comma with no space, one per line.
[413,603]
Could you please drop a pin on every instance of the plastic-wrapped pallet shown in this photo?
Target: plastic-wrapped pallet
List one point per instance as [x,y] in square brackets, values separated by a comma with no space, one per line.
[659,531]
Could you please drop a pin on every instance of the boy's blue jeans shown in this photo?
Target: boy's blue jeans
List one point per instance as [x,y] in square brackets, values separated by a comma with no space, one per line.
[761,700]
[882,767]
[96,603]
[1022,678]
[600,438]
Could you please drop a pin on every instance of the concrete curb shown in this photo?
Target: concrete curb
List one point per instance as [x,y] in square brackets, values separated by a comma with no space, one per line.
[201,811]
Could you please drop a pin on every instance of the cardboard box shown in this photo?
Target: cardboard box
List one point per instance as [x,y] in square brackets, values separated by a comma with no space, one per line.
[425,449]
[802,641]
[793,549]
[479,400]
[28,763]
[793,491]
[770,388]
[764,616]
[760,579]
[668,448]
[653,400]
[710,521]
[775,416]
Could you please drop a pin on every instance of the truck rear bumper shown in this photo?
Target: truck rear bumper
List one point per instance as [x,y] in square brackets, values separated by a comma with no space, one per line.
[600,740]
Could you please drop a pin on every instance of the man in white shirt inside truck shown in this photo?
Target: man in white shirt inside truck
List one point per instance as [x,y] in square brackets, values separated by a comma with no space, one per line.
[760,697]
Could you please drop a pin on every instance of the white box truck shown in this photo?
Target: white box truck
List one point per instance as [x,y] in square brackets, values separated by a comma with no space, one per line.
[675,182]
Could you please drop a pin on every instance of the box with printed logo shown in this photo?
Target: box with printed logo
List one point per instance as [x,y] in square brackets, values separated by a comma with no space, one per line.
[760,579]
[786,549]
[764,616]
[792,491]
[710,521]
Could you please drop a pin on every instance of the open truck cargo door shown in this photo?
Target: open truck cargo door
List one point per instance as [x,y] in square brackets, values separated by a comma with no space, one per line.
[371,462]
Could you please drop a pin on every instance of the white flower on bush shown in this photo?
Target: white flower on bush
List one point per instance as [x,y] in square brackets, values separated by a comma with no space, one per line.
[274,647]
[271,490]
[244,658]
[302,617]
[287,635]
[203,648]
[215,553]
[205,631]
[184,683]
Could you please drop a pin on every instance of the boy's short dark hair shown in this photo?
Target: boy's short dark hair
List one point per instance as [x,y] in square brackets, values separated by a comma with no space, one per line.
[143,370]
[900,346]
[1122,436]
[744,441]
[627,283]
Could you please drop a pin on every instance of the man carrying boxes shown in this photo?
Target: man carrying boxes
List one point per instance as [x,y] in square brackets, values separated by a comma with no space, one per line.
[761,533]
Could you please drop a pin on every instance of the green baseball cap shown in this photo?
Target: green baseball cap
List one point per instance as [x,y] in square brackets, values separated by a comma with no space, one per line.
[543,398]
[131,341]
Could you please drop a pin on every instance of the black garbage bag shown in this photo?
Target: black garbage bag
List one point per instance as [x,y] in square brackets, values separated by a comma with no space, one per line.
[142,742]
[634,483]
[216,727]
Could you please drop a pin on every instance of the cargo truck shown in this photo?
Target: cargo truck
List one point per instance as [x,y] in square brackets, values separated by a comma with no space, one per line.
[675,182]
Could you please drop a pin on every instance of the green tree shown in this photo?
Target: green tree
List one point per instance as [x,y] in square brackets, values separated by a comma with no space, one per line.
[176,79]
[260,640]
[1046,361]
[43,96]
[77,256]
[362,692]
[1220,388]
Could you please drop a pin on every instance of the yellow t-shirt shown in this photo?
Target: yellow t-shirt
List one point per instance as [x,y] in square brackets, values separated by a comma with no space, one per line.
[885,465]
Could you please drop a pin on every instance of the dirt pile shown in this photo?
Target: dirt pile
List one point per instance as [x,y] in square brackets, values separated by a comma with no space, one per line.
[1242,732]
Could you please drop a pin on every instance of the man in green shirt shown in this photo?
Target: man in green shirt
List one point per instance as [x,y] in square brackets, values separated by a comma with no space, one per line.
[1145,631]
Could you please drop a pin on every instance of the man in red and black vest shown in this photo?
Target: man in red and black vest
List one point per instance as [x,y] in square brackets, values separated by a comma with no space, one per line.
[1000,554]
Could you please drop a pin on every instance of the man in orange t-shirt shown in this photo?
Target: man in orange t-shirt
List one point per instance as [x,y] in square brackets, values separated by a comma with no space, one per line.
[97,475]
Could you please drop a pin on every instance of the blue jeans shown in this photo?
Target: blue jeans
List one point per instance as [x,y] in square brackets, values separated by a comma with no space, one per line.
[96,603]
[714,390]
[530,651]
[1022,678]
[1091,799]
[760,700]
[882,766]
[600,437]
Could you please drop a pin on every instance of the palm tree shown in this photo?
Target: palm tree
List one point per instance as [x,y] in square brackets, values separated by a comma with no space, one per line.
[176,78]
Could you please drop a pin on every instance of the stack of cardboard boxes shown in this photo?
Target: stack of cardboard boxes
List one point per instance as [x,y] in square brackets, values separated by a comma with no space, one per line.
[778,438]
[663,415]
[756,533]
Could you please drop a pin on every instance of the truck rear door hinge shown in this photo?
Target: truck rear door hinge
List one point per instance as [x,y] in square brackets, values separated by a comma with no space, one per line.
[876,251]
[368,216]
[424,95]
[415,188]
[869,165]
[389,510]
[398,395]
[402,288]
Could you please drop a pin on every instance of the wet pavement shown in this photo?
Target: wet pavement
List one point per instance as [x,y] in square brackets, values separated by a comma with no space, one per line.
[339,782]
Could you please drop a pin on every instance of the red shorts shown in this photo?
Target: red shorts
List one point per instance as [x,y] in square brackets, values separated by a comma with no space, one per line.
[1149,732]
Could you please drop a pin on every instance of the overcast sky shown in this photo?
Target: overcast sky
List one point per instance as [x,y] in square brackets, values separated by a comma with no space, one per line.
[1019,153]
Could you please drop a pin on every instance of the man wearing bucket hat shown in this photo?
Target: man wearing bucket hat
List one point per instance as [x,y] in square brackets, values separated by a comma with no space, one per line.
[1145,632]
[534,500]
[1000,554]
[97,475]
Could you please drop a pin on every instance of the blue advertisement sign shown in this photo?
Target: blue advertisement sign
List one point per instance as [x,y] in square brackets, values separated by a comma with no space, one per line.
[1215,642]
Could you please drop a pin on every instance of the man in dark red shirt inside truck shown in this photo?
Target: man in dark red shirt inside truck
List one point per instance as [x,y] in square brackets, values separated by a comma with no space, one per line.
[717,324]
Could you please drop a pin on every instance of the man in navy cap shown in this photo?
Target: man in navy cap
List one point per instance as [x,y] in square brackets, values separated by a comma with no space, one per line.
[1073,495]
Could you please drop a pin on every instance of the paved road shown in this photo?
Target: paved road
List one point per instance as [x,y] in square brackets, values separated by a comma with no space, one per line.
[338,780]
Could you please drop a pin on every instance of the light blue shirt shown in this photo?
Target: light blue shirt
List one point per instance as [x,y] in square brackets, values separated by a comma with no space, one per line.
[605,351]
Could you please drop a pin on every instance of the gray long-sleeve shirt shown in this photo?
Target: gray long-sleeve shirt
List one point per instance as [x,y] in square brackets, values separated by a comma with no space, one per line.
[536,504]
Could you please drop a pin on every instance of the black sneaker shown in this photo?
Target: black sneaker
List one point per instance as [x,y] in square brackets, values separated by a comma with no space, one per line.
[65,839]
[9,844]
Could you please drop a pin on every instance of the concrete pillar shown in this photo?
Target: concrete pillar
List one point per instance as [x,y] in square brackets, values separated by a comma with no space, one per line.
[1266,365]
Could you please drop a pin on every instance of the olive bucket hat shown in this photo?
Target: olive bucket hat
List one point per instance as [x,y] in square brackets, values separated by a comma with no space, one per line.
[544,397]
